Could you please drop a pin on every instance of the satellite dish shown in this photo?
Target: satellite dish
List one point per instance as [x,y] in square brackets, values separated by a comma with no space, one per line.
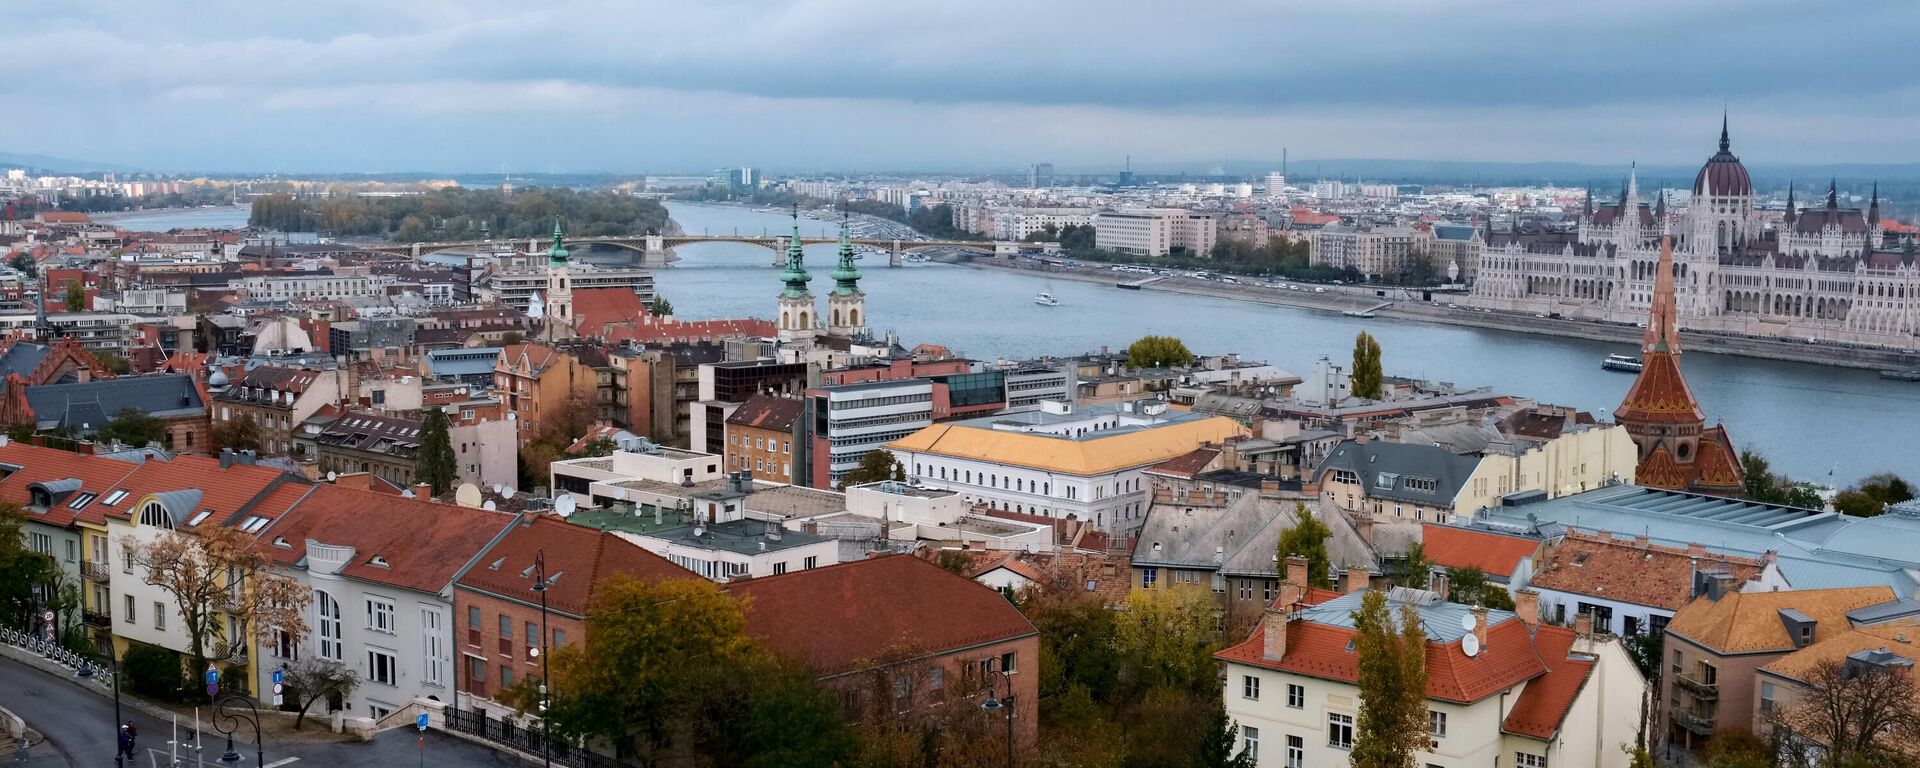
[1467,622]
[1470,645]
[331,476]
[564,506]
[487,505]
[467,495]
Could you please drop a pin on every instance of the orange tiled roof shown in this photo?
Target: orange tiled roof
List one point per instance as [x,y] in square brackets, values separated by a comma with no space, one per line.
[580,560]
[420,545]
[42,465]
[842,617]
[1320,650]
[1659,394]
[1492,553]
[1749,622]
[1900,641]
[1543,704]
[1636,572]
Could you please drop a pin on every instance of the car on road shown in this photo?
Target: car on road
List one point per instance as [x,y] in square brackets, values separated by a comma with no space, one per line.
[1453,306]
[1319,289]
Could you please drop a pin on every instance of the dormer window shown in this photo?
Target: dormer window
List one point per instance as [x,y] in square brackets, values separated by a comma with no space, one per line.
[379,560]
[153,514]
[281,542]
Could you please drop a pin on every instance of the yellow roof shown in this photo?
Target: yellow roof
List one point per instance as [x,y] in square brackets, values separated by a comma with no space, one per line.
[1086,456]
[1749,622]
[1896,640]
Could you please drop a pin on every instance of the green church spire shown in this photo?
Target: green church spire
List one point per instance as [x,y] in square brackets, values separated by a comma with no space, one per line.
[795,275]
[846,277]
[557,255]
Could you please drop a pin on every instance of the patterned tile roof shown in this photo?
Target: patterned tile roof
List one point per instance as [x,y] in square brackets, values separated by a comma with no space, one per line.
[1749,622]
[1637,572]
[1494,554]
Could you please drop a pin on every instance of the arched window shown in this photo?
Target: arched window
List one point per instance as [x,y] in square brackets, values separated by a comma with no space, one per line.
[156,515]
[327,629]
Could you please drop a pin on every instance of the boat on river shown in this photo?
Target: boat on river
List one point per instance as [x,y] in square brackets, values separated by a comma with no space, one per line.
[1045,299]
[1910,374]
[1621,363]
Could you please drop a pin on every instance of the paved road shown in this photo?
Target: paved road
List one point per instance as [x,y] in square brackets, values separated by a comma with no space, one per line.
[78,725]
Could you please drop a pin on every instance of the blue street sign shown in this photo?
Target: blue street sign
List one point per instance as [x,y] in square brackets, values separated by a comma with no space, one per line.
[279,676]
[420,722]
[213,676]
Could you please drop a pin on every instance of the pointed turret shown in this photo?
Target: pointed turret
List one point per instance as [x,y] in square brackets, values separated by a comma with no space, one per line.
[1873,208]
[795,275]
[1660,211]
[1633,183]
[557,255]
[1663,325]
[1833,195]
[1586,206]
[1792,213]
[846,276]
[1725,145]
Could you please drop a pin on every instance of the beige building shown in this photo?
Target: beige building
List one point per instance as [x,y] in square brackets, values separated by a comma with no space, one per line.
[1581,458]
[1373,251]
[1502,688]
[1156,231]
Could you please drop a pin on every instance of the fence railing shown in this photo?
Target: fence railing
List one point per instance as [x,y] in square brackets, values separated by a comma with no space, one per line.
[50,651]
[508,733]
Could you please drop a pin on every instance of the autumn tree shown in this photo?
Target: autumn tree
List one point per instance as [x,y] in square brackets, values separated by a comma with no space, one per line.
[312,679]
[1158,352]
[21,569]
[1392,726]
[241,433]
[660,307]
[645,641]
[1469,586]
[132,426]
[214,574]
[879,464]
[436,460]
[1308,539]
[1414,570]
[76,298]
[1366,377]
[1166,637]
[1862,714]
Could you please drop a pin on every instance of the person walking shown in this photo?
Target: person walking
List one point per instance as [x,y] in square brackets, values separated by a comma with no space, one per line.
[126,747]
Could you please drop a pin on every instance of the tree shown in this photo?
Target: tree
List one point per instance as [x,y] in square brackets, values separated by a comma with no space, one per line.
[240,434]
[1470,586]
[1737,748]
[20,431]
[1872,495]
[629,683]
[132,426]
[1856,503]
[1366,376]
[1158,352]
[120,366]
[953,561]
[1862,714]
[437,465]
[21,569]
[1077,651]
[1166,637]
[660,307]
[1414,569]
[25,264]
[1308,539]
[599,446]
[311,680]
[766,712]
[214,574]
[1222,738]
[878,465]
[1762,485]
[1393,725]
[76,298]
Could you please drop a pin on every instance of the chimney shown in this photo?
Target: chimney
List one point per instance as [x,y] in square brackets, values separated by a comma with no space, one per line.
[1358,579]
[1583,624]
[1526,605]
[1296,573]
[1363,525]
[226,458]
[1269,486]
[423,491]
[1440,584]
[1273,643]
[1480,626]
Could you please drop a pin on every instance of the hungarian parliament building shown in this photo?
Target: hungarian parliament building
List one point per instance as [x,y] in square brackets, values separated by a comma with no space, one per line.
[1823,271]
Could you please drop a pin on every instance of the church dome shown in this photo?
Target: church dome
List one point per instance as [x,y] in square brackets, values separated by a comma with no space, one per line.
[1723,175]
[218,378]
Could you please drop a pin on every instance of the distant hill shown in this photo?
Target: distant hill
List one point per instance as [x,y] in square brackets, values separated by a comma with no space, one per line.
[47,164]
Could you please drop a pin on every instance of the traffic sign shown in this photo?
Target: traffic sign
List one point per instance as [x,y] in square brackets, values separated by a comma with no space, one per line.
[276,689]
[276,699]
[48,616]
[420,721]
[213,681]
[279,676]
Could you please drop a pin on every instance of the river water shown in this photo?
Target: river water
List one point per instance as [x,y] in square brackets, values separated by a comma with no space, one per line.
[1816,423]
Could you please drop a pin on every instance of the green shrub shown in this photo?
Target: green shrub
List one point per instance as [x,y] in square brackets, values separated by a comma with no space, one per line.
[153,671]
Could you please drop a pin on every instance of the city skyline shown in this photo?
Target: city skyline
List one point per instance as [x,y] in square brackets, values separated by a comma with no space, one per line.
[588,87]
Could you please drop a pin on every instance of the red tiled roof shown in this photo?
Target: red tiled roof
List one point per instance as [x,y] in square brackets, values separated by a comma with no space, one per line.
[39,465]
[1186,464]
[422,543]
[1492,553]
[580,560]
[766,411]
[1320,650]
[594,432]
[842,617]
[1543,704]
[223,491]
[1636,572]
[595,307]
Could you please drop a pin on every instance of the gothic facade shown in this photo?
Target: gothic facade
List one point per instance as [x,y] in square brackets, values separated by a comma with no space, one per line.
[1825,272]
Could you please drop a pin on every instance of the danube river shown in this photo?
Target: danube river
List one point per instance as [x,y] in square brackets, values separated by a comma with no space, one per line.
[1824,424]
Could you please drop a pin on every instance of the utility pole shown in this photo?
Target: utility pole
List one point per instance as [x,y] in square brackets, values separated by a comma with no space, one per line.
[546,723]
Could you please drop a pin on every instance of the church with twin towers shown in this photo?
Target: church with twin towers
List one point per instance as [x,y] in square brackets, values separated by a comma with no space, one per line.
[800,320]
[1823,270]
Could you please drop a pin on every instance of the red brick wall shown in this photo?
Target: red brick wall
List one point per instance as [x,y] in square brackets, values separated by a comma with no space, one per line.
[483,641]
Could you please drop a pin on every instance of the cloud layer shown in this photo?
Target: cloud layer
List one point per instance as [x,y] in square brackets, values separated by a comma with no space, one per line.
[439,85]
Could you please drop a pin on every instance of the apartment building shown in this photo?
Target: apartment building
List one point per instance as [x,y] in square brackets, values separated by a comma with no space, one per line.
[1156,231]
[848,421]
[1374,252]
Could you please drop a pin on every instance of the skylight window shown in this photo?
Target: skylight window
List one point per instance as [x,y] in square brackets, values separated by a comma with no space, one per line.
[199,517]
[81,501]
[114,498]
[254,524]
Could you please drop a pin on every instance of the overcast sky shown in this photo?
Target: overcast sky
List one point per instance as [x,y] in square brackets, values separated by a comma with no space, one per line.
[475,85]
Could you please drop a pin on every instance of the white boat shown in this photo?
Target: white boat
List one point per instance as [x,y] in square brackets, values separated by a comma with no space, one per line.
[1621,363]
[1045,299]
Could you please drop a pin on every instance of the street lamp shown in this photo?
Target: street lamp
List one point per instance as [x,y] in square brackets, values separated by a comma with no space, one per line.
[546,723]
[995,704]
[227,718]
[113,661]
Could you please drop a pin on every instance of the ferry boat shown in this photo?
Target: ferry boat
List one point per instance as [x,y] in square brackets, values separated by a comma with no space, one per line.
[1621,363]
[1045,299]
[1910,374]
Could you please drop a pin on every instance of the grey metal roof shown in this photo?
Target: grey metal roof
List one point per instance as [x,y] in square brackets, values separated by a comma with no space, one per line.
[1386,469]
[181,503]
[87,406]
[1905,607]
[745,537]
[21,358]
[1240,538]
[462,362]
[1444,622]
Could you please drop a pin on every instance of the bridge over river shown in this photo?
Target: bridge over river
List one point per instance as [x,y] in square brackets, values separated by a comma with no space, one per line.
[657,250]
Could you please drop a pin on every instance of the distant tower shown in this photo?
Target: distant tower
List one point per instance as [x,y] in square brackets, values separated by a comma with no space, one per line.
[559,304]
[846,305]
[797,317]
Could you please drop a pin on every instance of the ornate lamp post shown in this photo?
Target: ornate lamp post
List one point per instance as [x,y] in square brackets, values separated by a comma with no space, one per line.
[546,724]
[227,718]
[996,704]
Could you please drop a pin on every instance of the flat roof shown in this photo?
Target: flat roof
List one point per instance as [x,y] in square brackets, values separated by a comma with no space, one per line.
[746,537]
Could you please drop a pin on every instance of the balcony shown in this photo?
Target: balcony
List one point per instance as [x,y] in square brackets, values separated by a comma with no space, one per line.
[96,571]
[1701,691]
[1698,725]
[97,619]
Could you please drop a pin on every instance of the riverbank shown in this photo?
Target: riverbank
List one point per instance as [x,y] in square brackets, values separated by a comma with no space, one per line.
[1338,300]
[108,217]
